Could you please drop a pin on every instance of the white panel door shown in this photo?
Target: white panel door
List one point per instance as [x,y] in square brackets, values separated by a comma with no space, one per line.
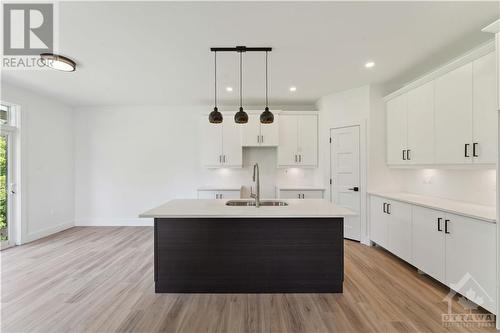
[211,143]
[399,229]
[485,110]
[453,116]
[308,140]
[250,131]
[397,124]
[428,241]
[270,133]
[345,175]
[378,221]
[471,258]
[421,125]
[288,141]
[232,151]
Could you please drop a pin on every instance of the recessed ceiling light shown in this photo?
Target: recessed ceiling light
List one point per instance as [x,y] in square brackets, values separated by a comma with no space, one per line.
[58,62]
[292,88]
[229,89]
[369,64]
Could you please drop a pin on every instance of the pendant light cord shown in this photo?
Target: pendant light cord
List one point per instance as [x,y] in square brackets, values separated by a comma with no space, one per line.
[241,81]
[267,101]
[215,76]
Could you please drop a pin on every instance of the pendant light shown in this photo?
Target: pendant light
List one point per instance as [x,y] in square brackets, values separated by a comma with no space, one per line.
[241,117]
[215,117]
[267,116]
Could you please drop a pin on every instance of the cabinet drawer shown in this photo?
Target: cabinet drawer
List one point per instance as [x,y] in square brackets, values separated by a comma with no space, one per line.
[225,194]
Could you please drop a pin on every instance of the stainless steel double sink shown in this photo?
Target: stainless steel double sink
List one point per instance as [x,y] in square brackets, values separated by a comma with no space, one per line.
[250,203]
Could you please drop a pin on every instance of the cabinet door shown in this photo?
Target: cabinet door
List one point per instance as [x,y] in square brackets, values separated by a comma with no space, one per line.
[471,258]
[290,194]
[288,137]
[307,148]
[211,143]
[251,131]
[421,124]
[399,229]
[428,241]
[207,195]
[485,110]
[397,124]
[270,133]
[312,194]
[232,150]
[453,116]
[378,221]
[229,195]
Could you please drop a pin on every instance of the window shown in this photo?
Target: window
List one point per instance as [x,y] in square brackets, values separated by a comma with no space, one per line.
[4,114]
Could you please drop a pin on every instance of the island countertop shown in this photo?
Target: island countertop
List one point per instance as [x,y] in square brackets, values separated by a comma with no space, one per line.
[185,208]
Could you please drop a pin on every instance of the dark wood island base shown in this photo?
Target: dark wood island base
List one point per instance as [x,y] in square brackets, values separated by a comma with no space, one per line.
[249,255]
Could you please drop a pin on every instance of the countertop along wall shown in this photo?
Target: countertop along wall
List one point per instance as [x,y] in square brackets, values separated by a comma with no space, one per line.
[47,163]
[130,159]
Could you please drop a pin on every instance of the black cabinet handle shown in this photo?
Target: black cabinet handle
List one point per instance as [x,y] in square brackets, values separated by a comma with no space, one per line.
[388,208]
[466,152]
[404,155]
[385,207]
[408,154]
[474,145]
[439,224]
[446,226]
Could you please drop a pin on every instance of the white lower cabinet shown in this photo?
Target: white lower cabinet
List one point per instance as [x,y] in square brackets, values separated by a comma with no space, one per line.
[300,194]
[378,220]
[390,226]
[456,250]
[428,242]
[216,194]
[470,259]
[399,229]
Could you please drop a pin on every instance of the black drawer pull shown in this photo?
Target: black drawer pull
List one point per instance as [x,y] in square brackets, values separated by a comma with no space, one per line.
[446,226]
[439,224]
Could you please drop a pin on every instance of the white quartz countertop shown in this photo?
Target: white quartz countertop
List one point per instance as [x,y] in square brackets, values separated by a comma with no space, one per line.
[486,213]
[218,208]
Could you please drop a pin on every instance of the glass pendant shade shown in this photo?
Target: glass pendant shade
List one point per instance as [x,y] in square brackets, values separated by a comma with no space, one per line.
[267,117]
[241,117]
[215,117]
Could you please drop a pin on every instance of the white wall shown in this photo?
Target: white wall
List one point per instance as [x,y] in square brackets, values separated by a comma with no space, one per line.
[130,159]
[47,163]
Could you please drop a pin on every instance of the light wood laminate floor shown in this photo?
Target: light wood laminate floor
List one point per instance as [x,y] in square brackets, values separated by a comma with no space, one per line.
[100,279]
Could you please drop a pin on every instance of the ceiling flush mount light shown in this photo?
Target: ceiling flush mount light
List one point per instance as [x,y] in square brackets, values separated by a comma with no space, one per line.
[293,89]
[215,117]
[241,117]
[369,64]
[58,62]
[267,116]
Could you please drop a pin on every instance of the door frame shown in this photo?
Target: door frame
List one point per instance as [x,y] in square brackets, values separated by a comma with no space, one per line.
[13,179]
[363,172]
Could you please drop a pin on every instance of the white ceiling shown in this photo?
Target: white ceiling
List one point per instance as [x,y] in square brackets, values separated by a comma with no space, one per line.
[158,52]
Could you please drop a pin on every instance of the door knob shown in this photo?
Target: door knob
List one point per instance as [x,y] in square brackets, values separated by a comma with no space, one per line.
[355,189]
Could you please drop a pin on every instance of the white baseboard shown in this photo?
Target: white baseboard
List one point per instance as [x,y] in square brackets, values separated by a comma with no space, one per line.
[32,236]
[114,222]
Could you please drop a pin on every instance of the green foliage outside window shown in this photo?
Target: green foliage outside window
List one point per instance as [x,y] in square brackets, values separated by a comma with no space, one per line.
[3,189]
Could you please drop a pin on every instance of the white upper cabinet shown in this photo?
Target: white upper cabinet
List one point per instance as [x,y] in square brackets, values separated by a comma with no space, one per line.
[397,122]
[420,148]
[484,145]
[450,120]
[453,116]
[298,140]
[221,144]
[256,134]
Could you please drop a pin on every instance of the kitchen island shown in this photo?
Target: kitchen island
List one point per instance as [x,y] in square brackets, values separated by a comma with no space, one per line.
[206,246]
